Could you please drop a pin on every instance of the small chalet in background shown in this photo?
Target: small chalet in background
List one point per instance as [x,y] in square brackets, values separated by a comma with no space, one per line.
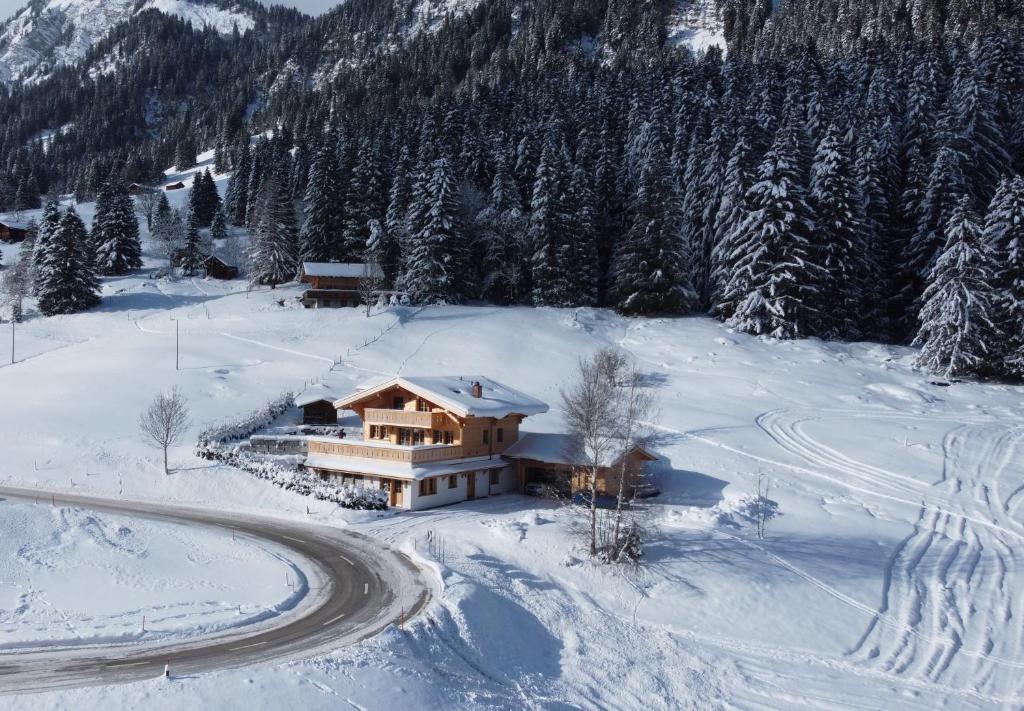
[317,405]
[175,186]
[216,268]
[436,440]
[12,232]
[140,189]
[335,285]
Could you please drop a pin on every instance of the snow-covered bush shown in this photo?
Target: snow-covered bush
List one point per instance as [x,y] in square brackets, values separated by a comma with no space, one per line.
[244,426]
[221,443]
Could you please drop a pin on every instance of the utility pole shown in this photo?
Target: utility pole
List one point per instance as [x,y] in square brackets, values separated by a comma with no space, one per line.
[13,321]
[177,348]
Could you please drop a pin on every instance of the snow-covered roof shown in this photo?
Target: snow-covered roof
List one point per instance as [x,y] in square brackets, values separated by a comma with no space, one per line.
[402,470]
[316,393]
[455,394]
[340,270]
[557,449]
[14,225]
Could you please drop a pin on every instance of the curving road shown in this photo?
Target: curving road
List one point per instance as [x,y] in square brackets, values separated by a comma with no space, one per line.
[357,587]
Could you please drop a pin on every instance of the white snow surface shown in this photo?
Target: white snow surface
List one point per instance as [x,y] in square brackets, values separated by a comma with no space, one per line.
[75,577]
[697,24]
[891,577]
[62,31]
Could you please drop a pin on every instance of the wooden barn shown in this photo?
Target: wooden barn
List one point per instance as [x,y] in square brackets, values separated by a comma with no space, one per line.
[12,231]
[175,186]
[139,189]
[216,268]
[317,405]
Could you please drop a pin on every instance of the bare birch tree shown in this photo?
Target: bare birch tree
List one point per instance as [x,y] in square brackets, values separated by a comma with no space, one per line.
[165,422]
[635,404]
[371,282]
[591,406]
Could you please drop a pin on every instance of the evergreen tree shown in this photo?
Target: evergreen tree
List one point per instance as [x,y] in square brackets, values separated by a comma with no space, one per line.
[958,335]
[739,176]
[649,275]
[547,235]
[192,255]
[1004,238]
[237,199]
[436,271]
[774,279]
[320,238]
[115,232]
[219,227]
[274,252]
[67,281]
[840,299]
[47,229]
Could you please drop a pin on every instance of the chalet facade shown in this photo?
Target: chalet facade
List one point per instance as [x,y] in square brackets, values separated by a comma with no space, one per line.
[433,441]
[335,285]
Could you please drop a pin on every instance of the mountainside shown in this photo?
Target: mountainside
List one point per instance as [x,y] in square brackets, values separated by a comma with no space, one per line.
[49,33]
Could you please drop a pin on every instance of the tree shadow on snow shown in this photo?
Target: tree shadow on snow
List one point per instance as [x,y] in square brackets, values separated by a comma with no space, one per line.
[148,301]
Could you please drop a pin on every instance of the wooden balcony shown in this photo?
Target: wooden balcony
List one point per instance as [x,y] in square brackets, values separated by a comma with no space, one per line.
[384,452]
[404,418]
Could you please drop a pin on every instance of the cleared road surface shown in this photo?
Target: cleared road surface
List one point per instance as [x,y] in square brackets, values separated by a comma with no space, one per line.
[357,587]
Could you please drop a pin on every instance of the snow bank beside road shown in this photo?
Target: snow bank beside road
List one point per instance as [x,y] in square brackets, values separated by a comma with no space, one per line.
[71,577]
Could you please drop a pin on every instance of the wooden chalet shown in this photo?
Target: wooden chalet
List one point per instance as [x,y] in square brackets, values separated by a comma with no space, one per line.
[175,186]
[216,268]
[317,405]
[140,189]
[335,285]
[434,441]
[12,232]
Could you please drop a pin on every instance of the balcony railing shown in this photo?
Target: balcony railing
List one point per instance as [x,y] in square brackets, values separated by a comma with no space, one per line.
[386,452]
[404,418]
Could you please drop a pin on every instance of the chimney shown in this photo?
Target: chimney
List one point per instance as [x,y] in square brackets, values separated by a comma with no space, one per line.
[478,389]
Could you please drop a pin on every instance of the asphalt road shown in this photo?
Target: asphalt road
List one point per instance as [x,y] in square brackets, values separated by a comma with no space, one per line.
[358,587]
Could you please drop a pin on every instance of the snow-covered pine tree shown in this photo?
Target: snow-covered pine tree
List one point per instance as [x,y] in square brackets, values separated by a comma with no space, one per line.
[1004,237]
[47,228]
[436,271]
[66,277]
[115,231]
[237,199]
[320,238]
[839,240]
[582,268]
[774,278]
[739,176]
[547,225]
[192,254]
[274,252]
[502,228]
[219,227]
[649,276]
[958,335]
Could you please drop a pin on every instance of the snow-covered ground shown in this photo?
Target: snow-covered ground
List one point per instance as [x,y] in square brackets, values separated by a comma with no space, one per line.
[891,577]
[74,577]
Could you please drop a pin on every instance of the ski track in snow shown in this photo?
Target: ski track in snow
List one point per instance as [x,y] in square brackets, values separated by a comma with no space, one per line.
[950,604]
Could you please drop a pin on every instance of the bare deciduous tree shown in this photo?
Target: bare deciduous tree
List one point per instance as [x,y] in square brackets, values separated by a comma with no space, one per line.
[635,406]
[371,282]
[16,284]
[591,414]
[166,420]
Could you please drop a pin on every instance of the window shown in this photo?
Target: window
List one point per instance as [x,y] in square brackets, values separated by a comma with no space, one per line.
[378,432]
[447,437]
[501,435]
[398,403]
[487,436]
[495,477]
[417,437]
[428,487]
[442,437]
[423,405]
[453,481]
[373,432]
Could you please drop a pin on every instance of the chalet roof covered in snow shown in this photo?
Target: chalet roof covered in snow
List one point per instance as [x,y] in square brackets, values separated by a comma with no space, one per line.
[558,449]
[455,394]
[339,270]
[316,393]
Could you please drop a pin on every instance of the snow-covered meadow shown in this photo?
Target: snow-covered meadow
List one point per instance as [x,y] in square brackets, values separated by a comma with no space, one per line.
[890,578]
[72,577]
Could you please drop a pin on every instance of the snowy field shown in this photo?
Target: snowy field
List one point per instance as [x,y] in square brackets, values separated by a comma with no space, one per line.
[74,577]
[891,577]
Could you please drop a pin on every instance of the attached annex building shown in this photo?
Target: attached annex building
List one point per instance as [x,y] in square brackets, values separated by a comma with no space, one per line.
[433,441]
